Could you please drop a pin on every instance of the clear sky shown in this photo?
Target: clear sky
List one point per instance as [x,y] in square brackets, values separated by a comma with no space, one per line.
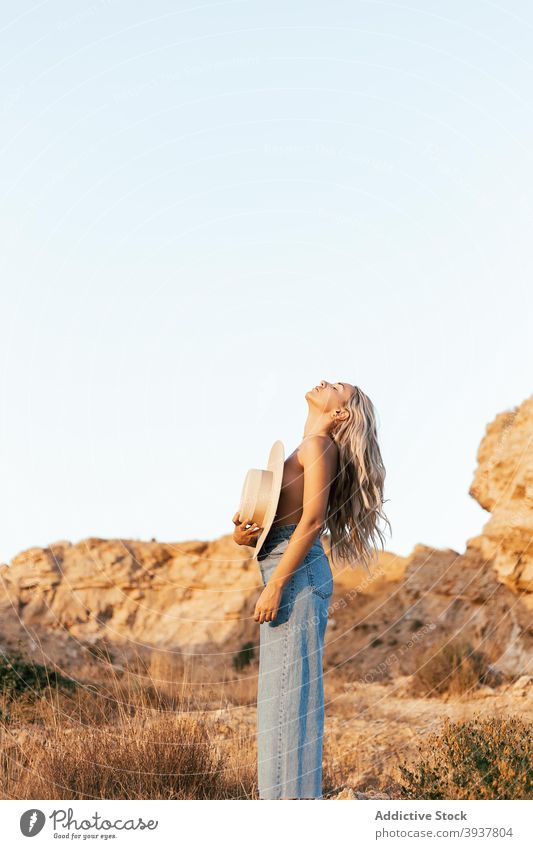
[209,207]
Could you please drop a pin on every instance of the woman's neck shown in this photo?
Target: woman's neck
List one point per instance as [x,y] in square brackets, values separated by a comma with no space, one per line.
[316,426]
[317,433]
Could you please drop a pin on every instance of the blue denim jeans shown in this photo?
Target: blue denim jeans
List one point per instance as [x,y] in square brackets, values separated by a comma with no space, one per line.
[290,695]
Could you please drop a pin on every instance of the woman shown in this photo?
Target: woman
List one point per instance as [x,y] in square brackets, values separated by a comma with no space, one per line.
[332,481]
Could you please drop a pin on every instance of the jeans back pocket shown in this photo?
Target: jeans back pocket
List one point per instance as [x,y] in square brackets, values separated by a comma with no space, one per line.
[319,573]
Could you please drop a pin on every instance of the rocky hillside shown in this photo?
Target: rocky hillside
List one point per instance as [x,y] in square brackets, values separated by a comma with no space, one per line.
[191,595]
[198,597]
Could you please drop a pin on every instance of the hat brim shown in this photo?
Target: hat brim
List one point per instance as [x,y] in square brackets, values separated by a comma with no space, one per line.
[276,462]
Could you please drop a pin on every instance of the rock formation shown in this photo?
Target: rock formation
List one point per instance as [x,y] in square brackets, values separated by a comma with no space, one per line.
[192,595]
[503,485]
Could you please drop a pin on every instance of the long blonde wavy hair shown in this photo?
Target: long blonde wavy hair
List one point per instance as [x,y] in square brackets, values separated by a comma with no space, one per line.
[355,504]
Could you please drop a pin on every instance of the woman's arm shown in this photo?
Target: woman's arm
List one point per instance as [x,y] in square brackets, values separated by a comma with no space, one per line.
[319,459]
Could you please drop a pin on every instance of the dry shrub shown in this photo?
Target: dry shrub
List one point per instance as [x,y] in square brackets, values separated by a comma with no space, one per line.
[476,759]
[452,667]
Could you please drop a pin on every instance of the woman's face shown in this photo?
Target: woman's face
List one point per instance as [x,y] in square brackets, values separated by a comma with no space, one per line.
[330,396]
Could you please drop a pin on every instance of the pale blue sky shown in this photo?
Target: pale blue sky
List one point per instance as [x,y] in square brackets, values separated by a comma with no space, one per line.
[207,208]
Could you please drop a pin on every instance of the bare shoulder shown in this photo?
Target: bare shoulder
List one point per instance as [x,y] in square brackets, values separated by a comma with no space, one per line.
[316,447]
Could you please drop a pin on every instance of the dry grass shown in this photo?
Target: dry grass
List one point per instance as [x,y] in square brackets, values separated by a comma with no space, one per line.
[167,727]
[134,734]
[159,757]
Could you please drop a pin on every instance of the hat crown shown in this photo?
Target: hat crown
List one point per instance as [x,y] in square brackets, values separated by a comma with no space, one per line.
[256,495]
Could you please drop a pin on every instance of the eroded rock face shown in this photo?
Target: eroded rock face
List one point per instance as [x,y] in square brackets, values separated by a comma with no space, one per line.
[503,485]
[193,594]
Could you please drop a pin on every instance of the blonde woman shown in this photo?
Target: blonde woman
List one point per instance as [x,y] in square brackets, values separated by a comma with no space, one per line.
[333,481]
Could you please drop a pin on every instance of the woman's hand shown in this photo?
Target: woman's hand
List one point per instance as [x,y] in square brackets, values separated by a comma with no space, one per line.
[243,535]
[267,604]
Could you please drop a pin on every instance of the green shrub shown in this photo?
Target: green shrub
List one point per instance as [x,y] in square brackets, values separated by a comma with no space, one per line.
[18,676]
[477,759]
[244,657]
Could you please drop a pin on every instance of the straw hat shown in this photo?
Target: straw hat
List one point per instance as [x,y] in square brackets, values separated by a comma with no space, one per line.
[260,493]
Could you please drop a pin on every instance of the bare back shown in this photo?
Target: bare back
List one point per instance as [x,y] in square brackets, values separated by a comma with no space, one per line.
[290,504]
